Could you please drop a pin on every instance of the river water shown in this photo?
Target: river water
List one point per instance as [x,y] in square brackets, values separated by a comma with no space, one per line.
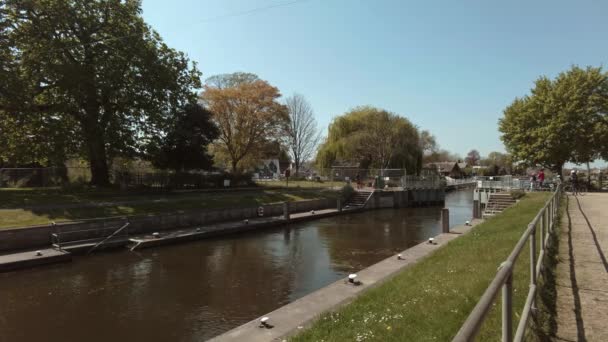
[194,291]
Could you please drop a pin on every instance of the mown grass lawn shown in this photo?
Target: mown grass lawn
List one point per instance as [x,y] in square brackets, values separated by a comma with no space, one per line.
[16,204]
[430,300]
[301,184]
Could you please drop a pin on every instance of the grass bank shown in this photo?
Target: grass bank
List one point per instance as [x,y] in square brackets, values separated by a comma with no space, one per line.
[25,207]
[301,184]
[430,300]
[544,323]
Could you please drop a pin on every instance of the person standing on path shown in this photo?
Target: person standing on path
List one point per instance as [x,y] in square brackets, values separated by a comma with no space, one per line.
[541,178]
[532,181]
[574,181]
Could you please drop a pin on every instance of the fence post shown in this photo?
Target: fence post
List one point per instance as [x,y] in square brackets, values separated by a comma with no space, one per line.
[542,230]
[551,215]
[507,309]
[533,256]
[445,220]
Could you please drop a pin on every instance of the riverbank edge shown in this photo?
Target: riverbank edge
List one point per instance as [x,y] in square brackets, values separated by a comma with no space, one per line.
[30,237]
[290,319]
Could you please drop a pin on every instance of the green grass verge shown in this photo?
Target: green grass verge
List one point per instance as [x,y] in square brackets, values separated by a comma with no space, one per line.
[300,184]
[430,300]
[14,213]
[543,324]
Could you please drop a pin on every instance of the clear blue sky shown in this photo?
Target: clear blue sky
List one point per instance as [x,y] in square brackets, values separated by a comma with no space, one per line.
[449,66]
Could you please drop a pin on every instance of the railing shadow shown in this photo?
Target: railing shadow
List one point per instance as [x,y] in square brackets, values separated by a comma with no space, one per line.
[595,240]
[580,325]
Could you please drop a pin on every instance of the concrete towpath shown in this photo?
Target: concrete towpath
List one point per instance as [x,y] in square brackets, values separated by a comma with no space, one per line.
[582,271]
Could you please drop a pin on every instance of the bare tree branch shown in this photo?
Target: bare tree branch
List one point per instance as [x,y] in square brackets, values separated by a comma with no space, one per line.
[302,136]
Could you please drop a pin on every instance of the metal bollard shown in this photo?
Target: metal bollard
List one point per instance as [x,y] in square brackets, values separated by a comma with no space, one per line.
[445,220]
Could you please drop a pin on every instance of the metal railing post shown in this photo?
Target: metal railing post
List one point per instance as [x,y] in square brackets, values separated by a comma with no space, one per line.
[507,309]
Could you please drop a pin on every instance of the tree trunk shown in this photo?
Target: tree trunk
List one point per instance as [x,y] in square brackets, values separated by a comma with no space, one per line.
[96,149]
[588,175]
[559,168]
[234,164]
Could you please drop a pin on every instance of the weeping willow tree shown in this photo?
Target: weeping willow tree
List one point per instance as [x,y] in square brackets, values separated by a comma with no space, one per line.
[372,138]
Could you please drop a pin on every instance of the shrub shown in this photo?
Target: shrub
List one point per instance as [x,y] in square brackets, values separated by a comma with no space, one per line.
[347,191]
[517,194]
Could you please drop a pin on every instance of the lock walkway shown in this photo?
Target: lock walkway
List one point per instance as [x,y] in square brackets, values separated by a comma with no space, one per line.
[582,270]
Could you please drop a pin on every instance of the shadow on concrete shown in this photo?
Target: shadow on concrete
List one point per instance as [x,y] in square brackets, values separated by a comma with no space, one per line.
[580,325]
[597,243]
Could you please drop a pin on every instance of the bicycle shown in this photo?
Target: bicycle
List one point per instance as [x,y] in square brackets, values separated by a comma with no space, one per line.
[580,190]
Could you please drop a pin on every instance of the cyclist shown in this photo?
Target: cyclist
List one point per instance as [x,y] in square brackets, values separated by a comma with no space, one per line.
[574,181]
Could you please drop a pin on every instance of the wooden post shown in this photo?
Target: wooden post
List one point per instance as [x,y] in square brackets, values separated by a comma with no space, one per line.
[445,220]
[339,205]
[475,209]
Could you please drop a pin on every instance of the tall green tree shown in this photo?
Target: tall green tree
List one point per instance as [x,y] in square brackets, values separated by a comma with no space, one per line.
[428,143]
[185,145]
[562,120]
[500,162]
[97,64]
[372,137]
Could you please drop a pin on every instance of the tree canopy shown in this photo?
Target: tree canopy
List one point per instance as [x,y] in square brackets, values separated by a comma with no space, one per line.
[247,112]
[472,157]
[372,137]
[184,147]
[94,71]
[562,120]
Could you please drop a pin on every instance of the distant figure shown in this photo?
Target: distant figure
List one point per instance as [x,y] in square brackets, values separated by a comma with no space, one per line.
[532,181]
[541,177]
[574,180]
[358,181]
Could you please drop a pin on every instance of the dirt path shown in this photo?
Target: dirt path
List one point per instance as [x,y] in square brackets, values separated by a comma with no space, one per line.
[582,271]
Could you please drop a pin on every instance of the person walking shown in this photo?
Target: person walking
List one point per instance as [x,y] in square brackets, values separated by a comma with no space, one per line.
[541,178]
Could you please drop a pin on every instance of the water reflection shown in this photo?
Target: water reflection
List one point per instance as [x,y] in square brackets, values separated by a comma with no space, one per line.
[194,291]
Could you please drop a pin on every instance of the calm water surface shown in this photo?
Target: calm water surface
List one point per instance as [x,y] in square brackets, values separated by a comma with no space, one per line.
[194,291]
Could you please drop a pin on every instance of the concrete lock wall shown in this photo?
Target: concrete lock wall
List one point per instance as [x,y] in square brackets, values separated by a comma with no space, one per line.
[40,236]
[406,198]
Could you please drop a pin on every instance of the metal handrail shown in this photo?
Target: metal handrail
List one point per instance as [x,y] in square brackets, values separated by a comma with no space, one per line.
[504,278]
